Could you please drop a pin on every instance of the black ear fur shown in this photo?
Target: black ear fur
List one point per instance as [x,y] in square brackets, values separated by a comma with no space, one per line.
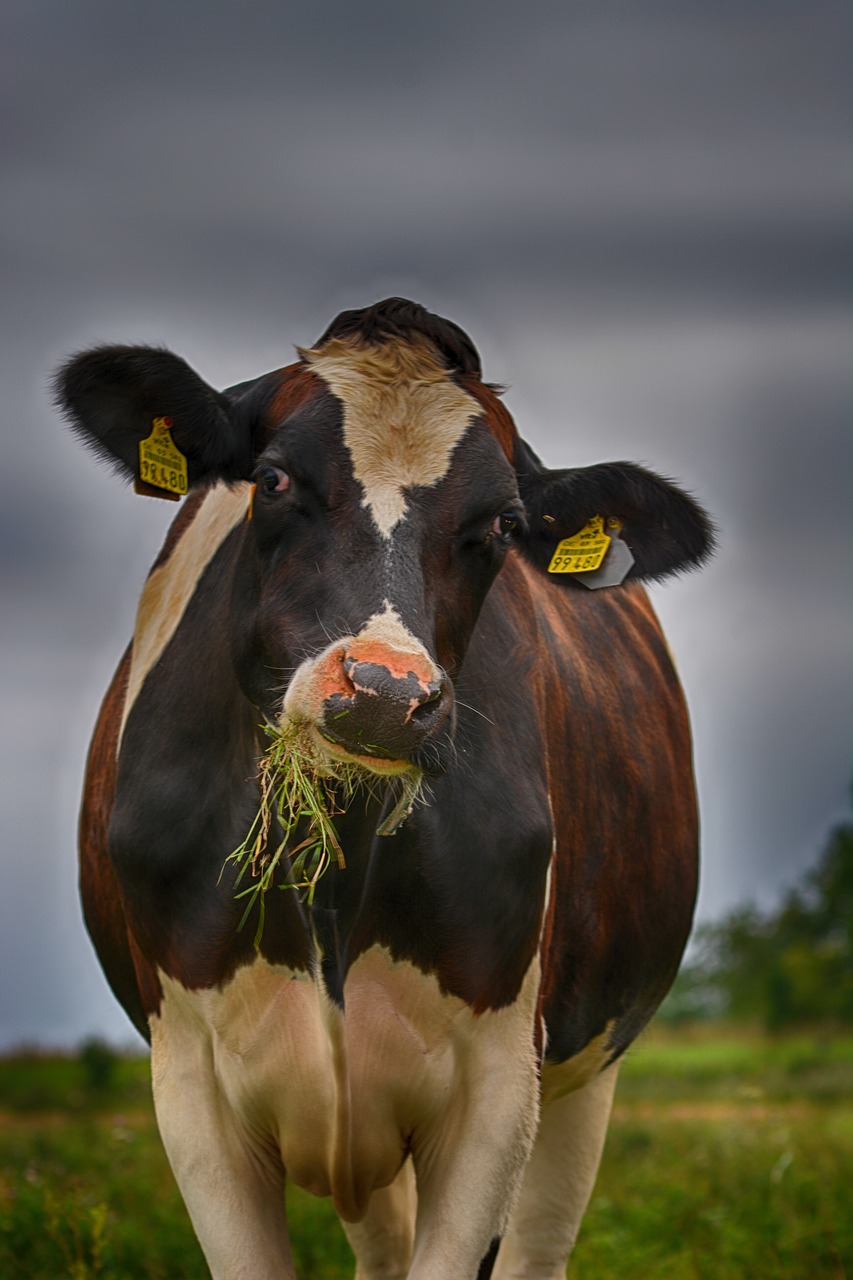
[112,394]
[667,531]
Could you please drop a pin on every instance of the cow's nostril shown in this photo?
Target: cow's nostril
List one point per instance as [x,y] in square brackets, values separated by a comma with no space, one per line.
[428,704]
[347,682]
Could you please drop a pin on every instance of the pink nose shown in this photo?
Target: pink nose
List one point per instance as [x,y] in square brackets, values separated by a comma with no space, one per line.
[358,664]
[379,679]
[379,701]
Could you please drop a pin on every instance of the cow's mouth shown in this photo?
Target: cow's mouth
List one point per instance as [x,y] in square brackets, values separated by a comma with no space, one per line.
[341,762]
[369,757]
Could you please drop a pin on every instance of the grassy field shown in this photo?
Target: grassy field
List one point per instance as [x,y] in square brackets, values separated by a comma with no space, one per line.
[730,1155]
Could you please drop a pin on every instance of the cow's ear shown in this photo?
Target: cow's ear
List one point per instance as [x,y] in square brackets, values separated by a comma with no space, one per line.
[664,528]
[112,397]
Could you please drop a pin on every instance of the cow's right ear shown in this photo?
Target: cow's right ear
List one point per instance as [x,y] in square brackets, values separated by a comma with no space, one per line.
[112,396]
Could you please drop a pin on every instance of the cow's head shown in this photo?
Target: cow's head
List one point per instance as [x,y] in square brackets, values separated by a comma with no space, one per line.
[390,486]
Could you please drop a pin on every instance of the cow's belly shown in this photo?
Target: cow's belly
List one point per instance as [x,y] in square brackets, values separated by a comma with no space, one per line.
[343,1096]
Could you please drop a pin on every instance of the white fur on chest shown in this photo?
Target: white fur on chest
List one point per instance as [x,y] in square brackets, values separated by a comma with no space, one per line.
[341,1096]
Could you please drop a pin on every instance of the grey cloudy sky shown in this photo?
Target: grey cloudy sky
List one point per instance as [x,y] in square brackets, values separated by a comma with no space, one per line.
[640,212]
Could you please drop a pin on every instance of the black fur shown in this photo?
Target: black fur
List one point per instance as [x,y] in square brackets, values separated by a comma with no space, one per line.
[487,1265]
[111,396]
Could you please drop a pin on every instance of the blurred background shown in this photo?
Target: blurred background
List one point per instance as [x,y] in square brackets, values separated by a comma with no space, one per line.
[640,213]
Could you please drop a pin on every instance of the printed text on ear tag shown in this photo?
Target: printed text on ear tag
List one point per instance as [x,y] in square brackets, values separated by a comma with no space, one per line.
[161,463]
[584,551]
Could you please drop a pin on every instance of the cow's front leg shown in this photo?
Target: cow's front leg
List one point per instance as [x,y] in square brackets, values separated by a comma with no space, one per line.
[558,1183]
[470,1160]
[232,1182]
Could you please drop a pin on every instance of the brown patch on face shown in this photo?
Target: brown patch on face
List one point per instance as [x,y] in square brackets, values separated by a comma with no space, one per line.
[495,411]
[298,384]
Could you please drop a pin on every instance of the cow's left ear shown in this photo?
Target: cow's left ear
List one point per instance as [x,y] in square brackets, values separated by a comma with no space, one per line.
[664,528]
[112,396]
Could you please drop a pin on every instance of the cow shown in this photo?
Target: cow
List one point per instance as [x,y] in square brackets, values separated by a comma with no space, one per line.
[370,555]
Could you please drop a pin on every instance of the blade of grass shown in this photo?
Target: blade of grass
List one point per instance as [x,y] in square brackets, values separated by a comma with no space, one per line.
[299,790]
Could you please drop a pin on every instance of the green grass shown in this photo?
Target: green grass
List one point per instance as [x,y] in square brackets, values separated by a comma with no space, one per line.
[729,1155]
[711,1061]
[295,791]
[297,788]
[36,1081]
[725,1196]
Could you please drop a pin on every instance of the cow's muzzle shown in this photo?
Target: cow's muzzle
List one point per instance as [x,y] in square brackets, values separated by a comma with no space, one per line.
[375,705]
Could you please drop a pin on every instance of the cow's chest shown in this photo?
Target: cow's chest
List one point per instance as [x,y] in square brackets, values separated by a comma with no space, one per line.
[341,1094]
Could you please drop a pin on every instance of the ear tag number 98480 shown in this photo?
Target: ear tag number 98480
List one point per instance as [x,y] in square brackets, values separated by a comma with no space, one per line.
[161,463]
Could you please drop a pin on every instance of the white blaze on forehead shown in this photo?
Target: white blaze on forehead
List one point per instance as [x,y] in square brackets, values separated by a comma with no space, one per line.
[403,417]
[170,587]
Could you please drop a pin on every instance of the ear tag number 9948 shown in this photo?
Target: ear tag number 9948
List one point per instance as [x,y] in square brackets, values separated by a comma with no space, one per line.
[583,551]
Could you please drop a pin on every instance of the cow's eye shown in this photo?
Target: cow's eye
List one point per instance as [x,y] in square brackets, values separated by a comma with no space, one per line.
[505,524]
[273,480]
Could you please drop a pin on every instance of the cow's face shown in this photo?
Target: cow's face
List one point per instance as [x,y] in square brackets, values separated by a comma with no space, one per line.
[384,507]
[390,486]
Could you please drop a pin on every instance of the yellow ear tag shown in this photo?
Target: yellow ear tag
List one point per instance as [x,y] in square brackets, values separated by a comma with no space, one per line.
[583,551]
[253,489]
[162,466]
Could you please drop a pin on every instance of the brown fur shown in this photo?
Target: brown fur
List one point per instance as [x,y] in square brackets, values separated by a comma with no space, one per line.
[103,906]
